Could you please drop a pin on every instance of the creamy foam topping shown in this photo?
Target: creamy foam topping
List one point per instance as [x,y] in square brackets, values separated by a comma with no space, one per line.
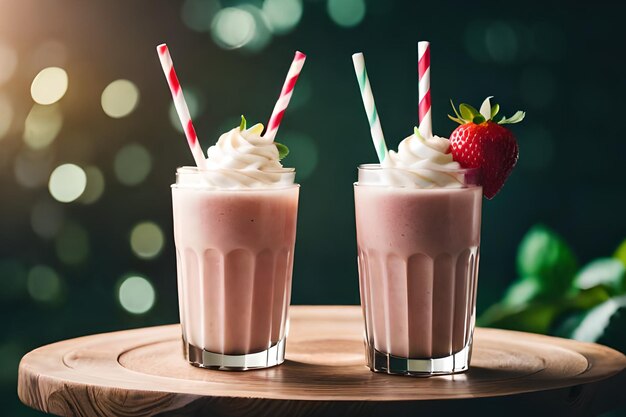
[244,159]
[422,162]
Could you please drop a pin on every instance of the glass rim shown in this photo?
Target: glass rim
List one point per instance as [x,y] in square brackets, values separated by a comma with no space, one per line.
[191,177]
[378,167]
[188,169]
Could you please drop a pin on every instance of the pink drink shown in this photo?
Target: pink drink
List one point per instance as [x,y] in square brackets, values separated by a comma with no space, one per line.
[234,250]
[418,265]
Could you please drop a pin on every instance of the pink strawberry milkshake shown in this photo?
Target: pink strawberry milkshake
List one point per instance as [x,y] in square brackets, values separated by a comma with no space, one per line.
[235,229]
[418,237]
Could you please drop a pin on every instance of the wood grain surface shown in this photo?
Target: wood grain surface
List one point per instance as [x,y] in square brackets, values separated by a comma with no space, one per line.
[142,372]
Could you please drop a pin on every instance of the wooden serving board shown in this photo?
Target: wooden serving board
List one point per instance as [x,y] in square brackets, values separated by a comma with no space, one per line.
[142,372]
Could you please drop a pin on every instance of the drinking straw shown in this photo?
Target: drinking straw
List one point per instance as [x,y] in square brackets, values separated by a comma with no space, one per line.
[370,106]
[423,72]
[285,95]
[181,105]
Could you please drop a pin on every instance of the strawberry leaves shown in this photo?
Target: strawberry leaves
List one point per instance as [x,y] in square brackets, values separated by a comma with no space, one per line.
[516,118]
[494,110]
[488,111]
[242,125]
[468,112]
[485,108]
[458,117]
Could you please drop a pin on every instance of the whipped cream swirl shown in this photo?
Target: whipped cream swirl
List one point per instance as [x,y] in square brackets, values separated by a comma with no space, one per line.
[424,163]
[242,158]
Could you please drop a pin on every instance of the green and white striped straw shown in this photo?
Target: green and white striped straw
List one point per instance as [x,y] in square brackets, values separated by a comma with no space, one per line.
[370,107]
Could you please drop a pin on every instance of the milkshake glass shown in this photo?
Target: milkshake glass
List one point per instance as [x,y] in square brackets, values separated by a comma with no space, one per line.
[418,251]
[234,253]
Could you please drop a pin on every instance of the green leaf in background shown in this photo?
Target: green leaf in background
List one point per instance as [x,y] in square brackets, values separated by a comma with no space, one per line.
[551,297]
[604,324]
[607,272]
[587,299]
[545,257]
[530,317]
[522,291]
[539,316]
[620,252]
[568,324]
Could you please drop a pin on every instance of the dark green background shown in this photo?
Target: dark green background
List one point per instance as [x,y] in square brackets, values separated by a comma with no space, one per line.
[563,66]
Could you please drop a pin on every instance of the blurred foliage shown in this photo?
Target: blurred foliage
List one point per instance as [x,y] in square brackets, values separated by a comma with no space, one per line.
[554,296]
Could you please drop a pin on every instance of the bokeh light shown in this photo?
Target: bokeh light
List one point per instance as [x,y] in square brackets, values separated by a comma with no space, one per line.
[72,244]
[474,40]
[42,125]
[346,13]
[49,86]
[32,168]
[132,164]
[283,15]
[136,294]
[119,98]
[146,240]
[46,218]
[6,114]
[43,283]
[95,185]
[8,58]
[67,182]
[501,42]
[12,279]
[262,33]
[233,27]
[198,14]
[303,153]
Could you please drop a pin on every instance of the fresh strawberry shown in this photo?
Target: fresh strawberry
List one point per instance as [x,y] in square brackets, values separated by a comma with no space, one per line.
[483,143]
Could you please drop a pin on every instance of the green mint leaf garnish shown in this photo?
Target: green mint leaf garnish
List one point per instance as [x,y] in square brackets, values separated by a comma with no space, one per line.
[416,132]
[242,126]
[283,151]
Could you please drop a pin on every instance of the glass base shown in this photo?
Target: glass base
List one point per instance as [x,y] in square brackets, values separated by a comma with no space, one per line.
[395,365]
[201,358]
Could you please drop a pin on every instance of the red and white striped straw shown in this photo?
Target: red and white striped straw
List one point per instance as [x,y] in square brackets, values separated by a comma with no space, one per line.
[423,72]
[181,105]
[285,96]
